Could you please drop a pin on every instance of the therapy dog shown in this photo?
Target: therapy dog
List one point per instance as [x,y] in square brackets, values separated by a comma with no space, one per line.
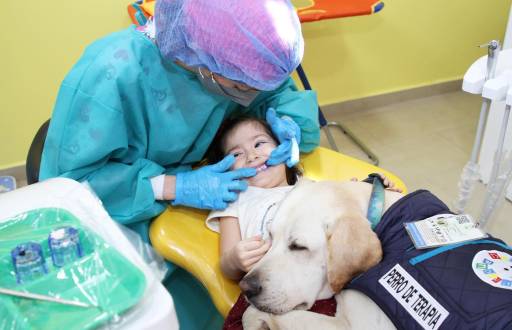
[322,240]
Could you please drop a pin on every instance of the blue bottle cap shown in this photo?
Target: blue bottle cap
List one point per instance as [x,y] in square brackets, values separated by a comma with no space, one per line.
[65,247]
[28,262]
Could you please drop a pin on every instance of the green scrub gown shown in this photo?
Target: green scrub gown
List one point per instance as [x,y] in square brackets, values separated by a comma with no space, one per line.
[124,115]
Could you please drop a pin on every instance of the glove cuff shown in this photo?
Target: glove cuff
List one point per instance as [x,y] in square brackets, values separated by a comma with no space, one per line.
[180,190]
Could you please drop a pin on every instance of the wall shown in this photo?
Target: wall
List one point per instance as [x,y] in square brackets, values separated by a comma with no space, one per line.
[408,44]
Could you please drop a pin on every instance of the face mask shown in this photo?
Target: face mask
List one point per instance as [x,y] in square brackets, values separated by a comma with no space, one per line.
[241,97]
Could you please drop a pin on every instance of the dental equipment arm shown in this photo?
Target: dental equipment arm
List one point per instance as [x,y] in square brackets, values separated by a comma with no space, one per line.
[502,167]
[473,83]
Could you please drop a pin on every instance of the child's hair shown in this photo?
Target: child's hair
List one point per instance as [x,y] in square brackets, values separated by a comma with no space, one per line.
[216,151]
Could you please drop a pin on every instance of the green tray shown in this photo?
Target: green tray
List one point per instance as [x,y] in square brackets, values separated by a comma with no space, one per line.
[106,279]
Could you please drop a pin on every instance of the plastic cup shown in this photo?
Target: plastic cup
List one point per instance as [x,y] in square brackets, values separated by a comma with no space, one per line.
[65,247]
[28,262]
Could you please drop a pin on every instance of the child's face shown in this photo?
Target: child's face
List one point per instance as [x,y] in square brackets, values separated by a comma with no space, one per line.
[251,145]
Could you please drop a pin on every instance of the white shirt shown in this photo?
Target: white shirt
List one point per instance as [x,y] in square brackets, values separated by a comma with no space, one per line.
[255,209]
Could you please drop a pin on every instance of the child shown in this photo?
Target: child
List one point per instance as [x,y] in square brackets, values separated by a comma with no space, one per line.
[243,225]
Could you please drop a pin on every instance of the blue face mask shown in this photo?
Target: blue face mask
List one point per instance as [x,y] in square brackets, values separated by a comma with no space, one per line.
[241,97]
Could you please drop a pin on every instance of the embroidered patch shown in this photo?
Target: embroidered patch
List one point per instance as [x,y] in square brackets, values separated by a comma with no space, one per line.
[494,268]
[427,311]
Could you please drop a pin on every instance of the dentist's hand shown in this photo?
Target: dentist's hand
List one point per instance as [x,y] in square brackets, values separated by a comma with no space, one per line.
[288,134]
[211,187]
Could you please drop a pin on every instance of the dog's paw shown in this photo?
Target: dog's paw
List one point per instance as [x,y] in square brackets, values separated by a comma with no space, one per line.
[253,319]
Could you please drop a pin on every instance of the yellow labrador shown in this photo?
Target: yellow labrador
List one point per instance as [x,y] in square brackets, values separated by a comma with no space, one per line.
[321,239]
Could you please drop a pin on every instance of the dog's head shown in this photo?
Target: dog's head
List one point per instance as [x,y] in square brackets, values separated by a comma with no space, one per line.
[320,240]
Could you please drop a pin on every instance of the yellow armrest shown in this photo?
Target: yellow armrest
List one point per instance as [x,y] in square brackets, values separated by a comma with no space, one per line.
[180,235]
[325,164]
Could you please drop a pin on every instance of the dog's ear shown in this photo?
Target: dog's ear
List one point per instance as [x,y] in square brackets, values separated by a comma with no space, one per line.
[353,248]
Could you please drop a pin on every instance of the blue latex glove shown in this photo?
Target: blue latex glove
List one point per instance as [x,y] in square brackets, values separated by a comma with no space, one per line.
[211,187]
[288,134]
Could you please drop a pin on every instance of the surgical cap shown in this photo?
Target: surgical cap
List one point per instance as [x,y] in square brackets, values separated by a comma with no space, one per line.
[257,42]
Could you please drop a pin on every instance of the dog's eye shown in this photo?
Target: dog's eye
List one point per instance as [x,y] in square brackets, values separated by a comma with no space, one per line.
[296,247]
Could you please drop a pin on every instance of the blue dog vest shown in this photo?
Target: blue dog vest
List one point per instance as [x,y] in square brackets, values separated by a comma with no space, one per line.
[450,287]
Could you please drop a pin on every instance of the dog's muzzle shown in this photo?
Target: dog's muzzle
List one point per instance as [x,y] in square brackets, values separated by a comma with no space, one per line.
[251,286]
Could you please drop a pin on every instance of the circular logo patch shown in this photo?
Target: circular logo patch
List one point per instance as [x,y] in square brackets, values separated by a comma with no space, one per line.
[494,268]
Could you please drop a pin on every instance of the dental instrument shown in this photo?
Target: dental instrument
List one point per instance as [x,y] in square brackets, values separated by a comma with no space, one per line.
[36,296]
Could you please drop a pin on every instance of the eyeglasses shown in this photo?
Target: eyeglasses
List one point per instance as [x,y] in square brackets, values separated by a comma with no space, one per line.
[243,87]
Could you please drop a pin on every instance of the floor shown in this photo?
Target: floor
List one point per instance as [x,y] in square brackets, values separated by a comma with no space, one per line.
[426,142]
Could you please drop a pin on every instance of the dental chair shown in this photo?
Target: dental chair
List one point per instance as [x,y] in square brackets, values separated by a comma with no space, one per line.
[180,235]
[34,154]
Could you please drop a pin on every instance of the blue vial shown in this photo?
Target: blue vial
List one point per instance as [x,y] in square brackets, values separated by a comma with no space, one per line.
[28,262]
[64,243]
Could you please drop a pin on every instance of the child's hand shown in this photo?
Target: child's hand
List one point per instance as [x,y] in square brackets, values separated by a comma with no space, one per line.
[387,183]
[249,251]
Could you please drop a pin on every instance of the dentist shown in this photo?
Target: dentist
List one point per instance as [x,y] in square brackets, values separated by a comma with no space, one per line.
[142,105]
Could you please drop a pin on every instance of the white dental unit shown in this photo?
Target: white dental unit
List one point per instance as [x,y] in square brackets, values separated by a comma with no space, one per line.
[496,114]
[491,77]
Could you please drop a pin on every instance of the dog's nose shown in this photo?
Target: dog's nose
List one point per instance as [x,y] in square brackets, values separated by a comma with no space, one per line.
[250,286]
